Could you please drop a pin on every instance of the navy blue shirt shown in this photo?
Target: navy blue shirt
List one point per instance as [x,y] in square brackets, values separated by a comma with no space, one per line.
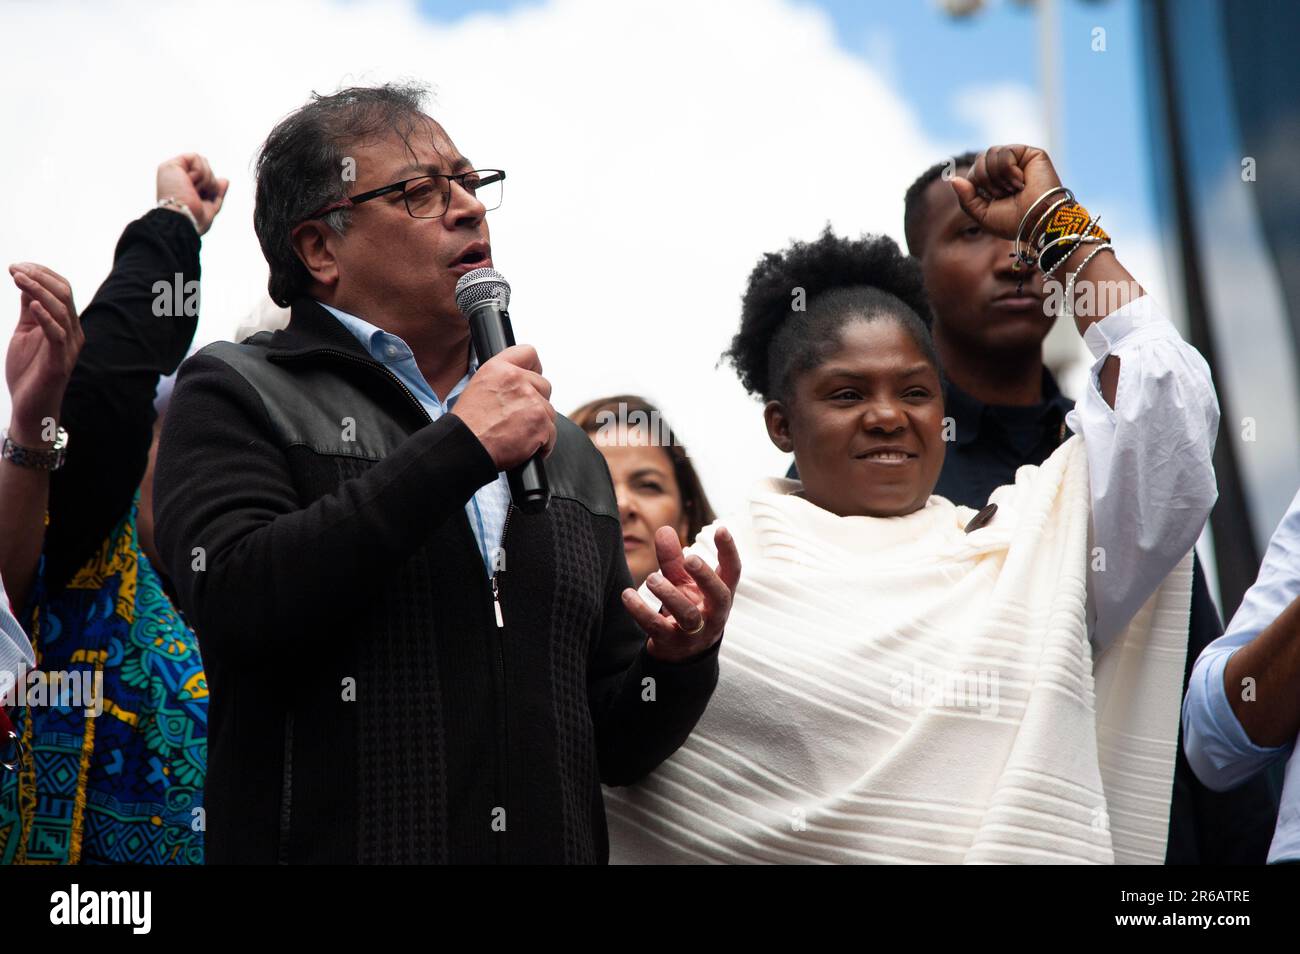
[990,443]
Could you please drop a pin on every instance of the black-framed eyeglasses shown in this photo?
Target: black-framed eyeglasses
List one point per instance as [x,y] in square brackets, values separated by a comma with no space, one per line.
[428,197]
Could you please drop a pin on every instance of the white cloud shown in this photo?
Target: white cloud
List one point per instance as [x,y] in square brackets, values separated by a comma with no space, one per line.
[1001,113]
[880,49]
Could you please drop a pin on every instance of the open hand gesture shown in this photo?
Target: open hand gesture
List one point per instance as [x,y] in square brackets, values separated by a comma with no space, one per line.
[42,352]
[696,600]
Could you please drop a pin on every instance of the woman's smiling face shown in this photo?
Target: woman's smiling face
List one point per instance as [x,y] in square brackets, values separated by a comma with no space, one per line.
[866,424]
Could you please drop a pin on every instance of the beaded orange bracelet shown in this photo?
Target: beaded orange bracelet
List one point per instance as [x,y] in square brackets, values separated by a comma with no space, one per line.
[1067,228]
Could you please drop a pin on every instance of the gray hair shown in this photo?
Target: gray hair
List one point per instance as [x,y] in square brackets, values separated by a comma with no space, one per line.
[300,167]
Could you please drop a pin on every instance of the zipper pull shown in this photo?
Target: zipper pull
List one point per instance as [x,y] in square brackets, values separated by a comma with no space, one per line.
[496,603]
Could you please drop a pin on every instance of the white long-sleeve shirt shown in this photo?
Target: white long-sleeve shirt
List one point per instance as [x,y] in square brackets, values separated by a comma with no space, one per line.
[1218,748]
[1150,464]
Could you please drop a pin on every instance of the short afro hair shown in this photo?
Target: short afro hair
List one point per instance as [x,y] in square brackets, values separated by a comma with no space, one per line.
[837,280]
[914,199]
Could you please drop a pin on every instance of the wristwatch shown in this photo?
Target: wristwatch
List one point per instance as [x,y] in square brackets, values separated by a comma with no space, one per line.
[36,459]
[176,205]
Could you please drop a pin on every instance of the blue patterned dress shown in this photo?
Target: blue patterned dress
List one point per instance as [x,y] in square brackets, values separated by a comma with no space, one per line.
[124,786]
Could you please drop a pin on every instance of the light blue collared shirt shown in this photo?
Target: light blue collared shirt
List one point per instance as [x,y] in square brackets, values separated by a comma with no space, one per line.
[487,508]
[1218,748]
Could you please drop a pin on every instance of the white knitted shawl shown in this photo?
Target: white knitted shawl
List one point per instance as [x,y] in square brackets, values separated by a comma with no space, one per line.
[896,690]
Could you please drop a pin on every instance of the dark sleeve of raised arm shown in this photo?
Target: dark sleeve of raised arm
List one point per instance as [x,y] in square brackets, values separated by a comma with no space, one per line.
[108,407]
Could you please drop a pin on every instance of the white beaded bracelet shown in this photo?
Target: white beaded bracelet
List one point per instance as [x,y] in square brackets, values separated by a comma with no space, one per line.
[1067,310]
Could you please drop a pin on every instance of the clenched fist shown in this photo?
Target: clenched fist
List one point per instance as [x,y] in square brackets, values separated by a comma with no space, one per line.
[1002,185]
[189,178]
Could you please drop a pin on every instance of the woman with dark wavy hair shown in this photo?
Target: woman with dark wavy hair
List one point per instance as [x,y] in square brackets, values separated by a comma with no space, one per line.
[654,481]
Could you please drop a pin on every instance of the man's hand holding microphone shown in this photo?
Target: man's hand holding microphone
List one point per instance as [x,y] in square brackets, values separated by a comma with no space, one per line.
[507,405]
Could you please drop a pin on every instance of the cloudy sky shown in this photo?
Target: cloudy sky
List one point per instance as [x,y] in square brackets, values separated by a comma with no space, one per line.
[655,150]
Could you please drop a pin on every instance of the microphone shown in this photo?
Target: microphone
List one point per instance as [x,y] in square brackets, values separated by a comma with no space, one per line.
[483,295]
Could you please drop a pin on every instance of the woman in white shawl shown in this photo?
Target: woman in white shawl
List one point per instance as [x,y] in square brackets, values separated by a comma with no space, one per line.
[906,680]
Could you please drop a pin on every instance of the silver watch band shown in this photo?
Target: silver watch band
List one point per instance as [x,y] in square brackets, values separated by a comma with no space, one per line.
[33,458]
[176,205]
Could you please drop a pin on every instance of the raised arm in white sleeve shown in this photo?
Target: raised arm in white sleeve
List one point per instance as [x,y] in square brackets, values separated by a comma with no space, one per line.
[1149,460]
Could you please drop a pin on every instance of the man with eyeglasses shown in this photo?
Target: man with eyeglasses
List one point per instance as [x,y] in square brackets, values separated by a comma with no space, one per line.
[404,667]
